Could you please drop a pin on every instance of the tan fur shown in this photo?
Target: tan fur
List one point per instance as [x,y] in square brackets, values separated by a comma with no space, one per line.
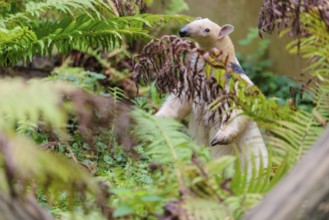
[240,131]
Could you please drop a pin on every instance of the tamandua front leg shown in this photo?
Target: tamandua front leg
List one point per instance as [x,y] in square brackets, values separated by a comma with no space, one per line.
[175,107]
[245,134]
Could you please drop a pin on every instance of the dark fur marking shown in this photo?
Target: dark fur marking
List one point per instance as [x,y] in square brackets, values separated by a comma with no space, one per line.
[237,68]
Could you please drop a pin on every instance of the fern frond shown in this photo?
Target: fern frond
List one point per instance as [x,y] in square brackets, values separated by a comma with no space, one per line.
[228,195]
[305,127]
[77,76]
[25,166]
[290,131]
[31,101]
[22,43]
[313,46]
[300,133]
[41,10]
[29,164]
[10,7]
[64,36]
[17,34]
[166,142]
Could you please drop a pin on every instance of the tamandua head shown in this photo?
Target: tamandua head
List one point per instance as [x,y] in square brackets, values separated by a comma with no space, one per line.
[207,33]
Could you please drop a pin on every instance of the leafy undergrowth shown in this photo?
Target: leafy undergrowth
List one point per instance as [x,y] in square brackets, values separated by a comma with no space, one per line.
[79,144]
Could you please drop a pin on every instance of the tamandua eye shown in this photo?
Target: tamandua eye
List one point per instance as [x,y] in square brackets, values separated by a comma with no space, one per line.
[207,30]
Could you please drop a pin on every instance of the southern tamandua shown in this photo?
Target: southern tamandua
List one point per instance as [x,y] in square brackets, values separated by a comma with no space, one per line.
[239,130]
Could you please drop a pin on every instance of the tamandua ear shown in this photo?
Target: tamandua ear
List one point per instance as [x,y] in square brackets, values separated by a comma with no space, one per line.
[197,18]
[225,30]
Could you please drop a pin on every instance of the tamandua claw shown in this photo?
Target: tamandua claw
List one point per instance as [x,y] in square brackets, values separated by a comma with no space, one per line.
[223,141]
[214,142]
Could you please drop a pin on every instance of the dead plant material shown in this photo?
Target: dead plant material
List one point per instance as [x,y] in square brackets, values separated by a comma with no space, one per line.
[180,68]
[281,14]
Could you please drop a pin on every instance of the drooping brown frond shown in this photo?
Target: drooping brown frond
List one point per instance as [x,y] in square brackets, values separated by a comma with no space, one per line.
[286,13]
[180,68]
